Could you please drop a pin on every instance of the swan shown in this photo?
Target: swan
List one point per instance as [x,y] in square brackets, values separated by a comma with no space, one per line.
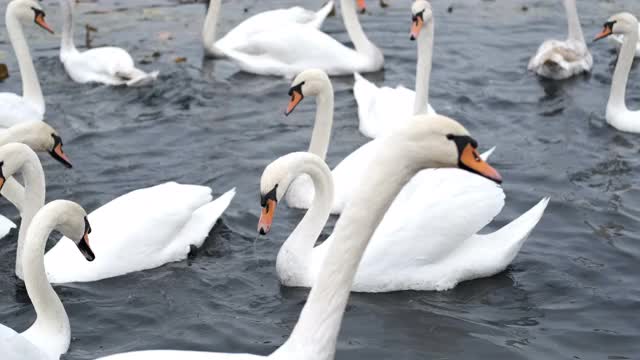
[421,145]
[30,106]
[427,239]
[559,60]
[104,65]
[140,230]
[315,82]
[618,115]
[41,138]
[619,39]
[239,37]
[382,109]
[50,335]
[288,50]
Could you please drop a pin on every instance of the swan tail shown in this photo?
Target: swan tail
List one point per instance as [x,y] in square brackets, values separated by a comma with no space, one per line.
[322,14]
[507,242]
[364,91]
[137,77]
[205,217]
[485,155]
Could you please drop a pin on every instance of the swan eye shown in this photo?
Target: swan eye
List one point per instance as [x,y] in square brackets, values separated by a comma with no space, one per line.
[609,24]
[271,195]
[297,88]
[418,15]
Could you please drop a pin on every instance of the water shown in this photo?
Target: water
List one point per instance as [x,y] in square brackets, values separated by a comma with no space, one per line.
[573,292]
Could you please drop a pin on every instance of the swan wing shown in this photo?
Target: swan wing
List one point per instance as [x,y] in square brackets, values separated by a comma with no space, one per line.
[182,355]
[106,65]
[15,110]
[14,346]
[561,59]
[140,230]
[5,226]
[287,51]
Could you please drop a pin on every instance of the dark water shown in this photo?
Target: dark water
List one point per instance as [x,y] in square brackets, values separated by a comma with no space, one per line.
[572,293]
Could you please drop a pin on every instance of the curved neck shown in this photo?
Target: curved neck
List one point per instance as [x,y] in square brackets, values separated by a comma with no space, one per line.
[317,329]
[621,73]
[575,30]
[210,26]
[423,68]
[51,321]
[67,44]
[324,122]
[352,23]
[299,245]
[33,200]
[30,85]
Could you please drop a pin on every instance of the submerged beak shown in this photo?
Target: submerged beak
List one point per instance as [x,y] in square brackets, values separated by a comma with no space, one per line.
[296,97]
[471,161]
[416,27]
[362,6]
[59,155]
[266,217]
[606,31]
[84,248]
[43,24]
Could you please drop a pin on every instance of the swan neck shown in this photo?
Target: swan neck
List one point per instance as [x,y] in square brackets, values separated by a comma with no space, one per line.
[574,28]
[67,44]
[317,329]
[209,29]
[324,122]
[34,196]
[31,90]
[51,318]
[354,28]
[423,68]
[621,73]
[297,249]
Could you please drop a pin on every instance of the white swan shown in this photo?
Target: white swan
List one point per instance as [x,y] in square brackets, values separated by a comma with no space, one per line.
[238,38]
[557,59]
[288,50]
[105,65]
[50,335]
[40,137]
[314,337]
[347,173]
[619,39]
[30,106]
[618,115]
[380,110]
[140,230]
[427,239]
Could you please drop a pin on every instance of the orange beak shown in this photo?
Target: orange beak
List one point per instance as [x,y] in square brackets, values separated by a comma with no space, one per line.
[2,180]
[416,27]
[43,24]
[471,161]
[296,97]
[59,155]
[606,31]
[362,6]
[266,217]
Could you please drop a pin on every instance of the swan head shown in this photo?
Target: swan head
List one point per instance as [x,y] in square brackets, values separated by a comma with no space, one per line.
[421,14]
[29,10]
[435,141]
[40,136]
[312,82]
[72,222]
[619,24]
[13,156]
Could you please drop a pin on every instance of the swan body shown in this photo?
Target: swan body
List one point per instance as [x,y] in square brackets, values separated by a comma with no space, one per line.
[50,335]
[618,115]
[143,229]
[239,37]
[619,39]
[30,106]
[315,334]
[425,240]
[383,109]
[104,65]
[40,137]
[288,50]
[559,60]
